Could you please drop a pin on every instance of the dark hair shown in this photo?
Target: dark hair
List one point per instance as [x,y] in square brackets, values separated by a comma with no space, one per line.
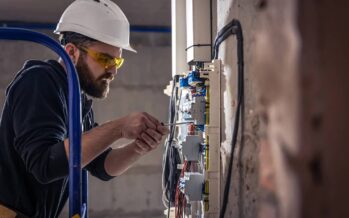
[75,38]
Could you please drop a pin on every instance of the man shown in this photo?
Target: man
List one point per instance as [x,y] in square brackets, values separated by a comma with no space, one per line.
[34,125]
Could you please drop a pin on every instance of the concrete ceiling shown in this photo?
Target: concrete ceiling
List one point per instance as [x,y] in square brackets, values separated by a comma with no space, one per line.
[139,12]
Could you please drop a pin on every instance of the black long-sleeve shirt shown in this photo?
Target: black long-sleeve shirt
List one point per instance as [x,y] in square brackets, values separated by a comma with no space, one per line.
[34,124]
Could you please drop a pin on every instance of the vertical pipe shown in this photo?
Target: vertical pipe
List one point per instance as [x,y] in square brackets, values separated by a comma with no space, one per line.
[74,111]
[179,43]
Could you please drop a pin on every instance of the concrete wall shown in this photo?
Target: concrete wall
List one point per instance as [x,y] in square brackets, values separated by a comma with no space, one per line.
[243,195]
[138,87]
[292,159]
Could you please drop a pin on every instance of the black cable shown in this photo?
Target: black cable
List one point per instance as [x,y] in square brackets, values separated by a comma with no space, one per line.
[227,30]
[198,45]
[234,27]
[167,154]
[171,157]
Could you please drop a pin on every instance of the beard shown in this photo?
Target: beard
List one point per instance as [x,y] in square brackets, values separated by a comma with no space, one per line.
[98,88]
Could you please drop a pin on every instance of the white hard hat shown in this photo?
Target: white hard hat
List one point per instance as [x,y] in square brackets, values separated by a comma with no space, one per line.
[101,20]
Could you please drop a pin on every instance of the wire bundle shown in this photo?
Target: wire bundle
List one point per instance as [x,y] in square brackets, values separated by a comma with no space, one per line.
[181,201]
[171,157]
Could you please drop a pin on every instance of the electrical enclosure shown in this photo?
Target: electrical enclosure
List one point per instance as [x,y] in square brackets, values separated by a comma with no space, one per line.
[198,141]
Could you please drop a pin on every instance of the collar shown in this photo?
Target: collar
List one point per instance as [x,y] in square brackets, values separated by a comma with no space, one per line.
[86,105]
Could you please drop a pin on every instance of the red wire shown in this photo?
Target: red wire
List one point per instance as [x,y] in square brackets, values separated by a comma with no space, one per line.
[180,200]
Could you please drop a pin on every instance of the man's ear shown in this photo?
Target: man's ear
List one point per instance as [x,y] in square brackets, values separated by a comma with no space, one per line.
[73,52]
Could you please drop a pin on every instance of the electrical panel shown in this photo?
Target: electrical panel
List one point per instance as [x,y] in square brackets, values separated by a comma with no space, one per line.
[196,139]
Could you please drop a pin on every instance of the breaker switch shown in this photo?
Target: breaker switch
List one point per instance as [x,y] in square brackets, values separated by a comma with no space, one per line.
[192,185]
[191,147]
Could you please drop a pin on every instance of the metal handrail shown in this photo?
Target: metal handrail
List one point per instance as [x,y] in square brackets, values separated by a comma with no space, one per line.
[76,208]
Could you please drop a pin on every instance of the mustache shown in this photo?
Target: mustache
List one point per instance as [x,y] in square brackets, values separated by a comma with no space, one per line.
[106,75]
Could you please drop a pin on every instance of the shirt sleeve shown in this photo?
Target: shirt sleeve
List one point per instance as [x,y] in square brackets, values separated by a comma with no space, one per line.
[96,167]
[39,114]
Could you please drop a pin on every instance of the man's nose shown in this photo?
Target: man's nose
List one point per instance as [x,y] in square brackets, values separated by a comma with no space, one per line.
[112,70]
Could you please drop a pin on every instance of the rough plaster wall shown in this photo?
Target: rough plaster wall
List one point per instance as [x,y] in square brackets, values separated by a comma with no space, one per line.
[276,58]
[264,184]
[305,107]
[272,97]
[138,87]
[243,197]
[296,79]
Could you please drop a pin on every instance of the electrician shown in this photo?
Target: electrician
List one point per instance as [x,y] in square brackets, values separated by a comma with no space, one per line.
[34,145]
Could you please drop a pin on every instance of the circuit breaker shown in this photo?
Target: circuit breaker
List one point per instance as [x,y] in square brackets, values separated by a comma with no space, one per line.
[198,141]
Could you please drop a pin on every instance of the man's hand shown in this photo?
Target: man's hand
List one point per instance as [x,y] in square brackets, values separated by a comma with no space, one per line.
[122,158]
[140,126]
[150,139]
[134,124]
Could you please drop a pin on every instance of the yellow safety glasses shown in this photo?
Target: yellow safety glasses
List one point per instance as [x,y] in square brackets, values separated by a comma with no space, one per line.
[103,59]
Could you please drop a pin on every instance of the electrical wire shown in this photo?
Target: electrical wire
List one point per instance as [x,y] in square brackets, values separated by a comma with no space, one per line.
[166,156]
[181,201]
[232,28]
[171,157]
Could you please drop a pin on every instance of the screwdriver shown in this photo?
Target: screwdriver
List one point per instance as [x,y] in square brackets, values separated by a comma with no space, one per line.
[175,124]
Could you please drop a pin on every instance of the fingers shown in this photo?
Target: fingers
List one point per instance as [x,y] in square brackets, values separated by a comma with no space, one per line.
[149,140]
[152,143]
[152,119]
[149,123]
[141,147]
[162,129]
[134,124]
[154,134]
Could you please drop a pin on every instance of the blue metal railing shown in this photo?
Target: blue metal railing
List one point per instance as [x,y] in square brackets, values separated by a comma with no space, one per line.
[52,26]
[77,208]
